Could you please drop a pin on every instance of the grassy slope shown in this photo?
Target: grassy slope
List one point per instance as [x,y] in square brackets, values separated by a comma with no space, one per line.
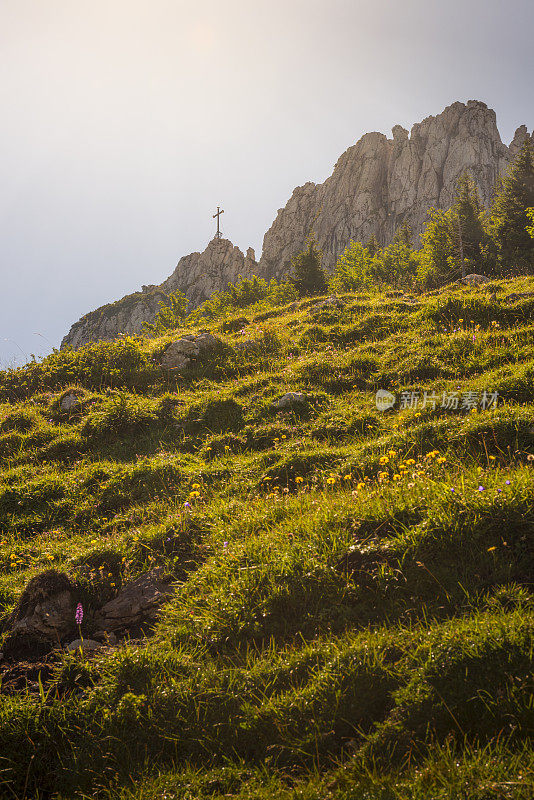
[346,625]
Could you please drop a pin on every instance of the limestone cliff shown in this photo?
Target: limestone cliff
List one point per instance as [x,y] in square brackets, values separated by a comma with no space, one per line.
[379,183]
[196,275]
[199,274]
[376,185]
[124,316]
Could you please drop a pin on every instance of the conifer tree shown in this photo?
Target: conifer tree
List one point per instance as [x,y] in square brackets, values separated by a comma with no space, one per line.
[308,276]
[468,215]
[509,218]
[372,245]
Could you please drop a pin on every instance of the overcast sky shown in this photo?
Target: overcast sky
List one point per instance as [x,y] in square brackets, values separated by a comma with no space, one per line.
[126,122]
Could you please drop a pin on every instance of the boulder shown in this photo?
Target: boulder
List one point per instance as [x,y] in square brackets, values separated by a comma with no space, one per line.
[330,303]
[475,279]
[137,603]
[289,400]
[43,616]
[187,350]
[69,402]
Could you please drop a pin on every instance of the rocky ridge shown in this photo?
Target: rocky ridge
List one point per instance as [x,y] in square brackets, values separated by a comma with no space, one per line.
[376,185]
[379,183]
[197,275]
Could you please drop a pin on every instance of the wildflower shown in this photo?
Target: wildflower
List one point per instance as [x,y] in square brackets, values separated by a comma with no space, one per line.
[330,480]
[491,548]
[392,453]
[298,479]
[530,458]
[194,494]
[453,489]
[411,485]
[396,477]
[361,486]
[441,460]
[78,617]
[196,486]
[480,488]
[225,545]
[384,460]
[508,483]
[187,506]
[347,477]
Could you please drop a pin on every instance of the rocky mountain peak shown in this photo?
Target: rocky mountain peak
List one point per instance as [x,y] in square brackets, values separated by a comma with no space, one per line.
[376,185]
[379,183]
[197,275]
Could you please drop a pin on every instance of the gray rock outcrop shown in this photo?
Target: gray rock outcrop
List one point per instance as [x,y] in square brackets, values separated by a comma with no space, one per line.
[136,604]
[289,400]
[126,316]
[188,350]
[379,183]
[196,275]
[199,274]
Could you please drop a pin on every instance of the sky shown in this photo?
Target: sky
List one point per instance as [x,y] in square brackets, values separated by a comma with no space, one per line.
[124,123]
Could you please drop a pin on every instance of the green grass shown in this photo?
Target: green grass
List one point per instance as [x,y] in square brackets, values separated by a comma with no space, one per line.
[353,615]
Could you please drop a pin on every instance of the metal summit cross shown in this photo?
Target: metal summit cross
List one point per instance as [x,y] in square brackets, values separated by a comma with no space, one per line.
[218,214]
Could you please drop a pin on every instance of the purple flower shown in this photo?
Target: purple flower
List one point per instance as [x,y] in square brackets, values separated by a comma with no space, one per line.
[79,614]
[453,490]
[499,490]
[225,545]
[508,483]
[480,488]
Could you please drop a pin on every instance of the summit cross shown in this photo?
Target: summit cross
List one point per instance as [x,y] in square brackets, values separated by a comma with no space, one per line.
[218,214]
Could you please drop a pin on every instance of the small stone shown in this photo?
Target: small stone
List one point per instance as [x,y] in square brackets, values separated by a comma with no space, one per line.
[86,645]
[475,279]
[69,402]
[330,302]
[289,400]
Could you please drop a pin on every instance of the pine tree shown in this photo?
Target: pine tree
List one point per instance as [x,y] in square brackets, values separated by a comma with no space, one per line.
[509,218]
[468,215]
[372,245]
[308,276]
